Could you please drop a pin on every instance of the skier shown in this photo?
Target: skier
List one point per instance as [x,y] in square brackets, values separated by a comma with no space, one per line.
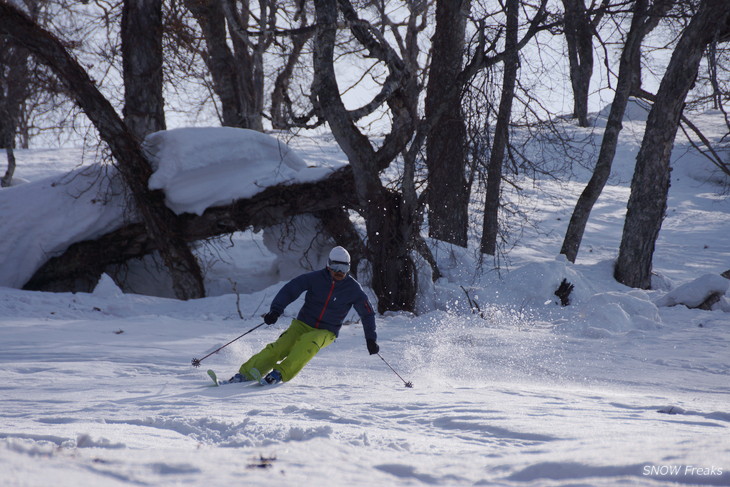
[330,294]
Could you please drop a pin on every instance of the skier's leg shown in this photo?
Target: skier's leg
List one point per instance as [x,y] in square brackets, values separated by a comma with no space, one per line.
[265,360]
[303,350]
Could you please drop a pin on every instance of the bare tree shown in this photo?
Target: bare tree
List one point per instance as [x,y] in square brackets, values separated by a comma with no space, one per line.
[650,184]
[501,132]
[238,75]
[283,114]
[717,79]
[142,66]
[510,57]
[159,221]
[448,189]
[391,216]
[645,18]
[389,227]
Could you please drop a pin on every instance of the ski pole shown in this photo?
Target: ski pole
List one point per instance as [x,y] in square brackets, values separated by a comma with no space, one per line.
[407,384]
[196,362]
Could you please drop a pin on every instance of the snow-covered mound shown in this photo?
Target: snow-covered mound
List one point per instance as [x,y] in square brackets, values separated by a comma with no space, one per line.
[694,293]
[106,287]
[613,312]
[636,111]
[195,167]
[198,168]
[42,218]
[537,282]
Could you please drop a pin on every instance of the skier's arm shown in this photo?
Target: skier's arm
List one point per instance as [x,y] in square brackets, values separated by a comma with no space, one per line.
[367,315]
[287,294]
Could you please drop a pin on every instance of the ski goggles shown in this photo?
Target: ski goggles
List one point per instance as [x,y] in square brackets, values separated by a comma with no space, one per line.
[338,266]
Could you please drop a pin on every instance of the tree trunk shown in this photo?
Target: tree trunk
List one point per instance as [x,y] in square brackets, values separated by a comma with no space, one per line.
[448,190]
[219,58]
[234,77]
[642,22]
[389,237]
[712,65]
[13,92]
[249,57]
[501,132]
[7,179]
[650,184]
[142,66]
[579,36]
[159,221]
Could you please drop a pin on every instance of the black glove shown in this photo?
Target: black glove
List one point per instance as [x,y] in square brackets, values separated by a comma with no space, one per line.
[373,347]
[271,317]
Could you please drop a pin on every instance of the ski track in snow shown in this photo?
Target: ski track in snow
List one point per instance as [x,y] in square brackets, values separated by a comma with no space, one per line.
[83,395]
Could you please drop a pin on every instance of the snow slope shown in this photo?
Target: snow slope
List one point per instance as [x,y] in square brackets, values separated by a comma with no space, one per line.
[619,388]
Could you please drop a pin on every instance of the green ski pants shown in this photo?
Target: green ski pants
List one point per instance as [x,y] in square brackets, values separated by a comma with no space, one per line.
[289,353]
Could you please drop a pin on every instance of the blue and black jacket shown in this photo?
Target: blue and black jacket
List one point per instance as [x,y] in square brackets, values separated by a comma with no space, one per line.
[327,301]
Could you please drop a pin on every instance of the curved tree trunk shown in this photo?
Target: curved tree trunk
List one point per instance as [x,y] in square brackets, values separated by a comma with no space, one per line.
[160,223]
[650,184]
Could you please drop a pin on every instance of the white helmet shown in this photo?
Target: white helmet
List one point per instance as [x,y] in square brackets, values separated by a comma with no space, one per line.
[339,260]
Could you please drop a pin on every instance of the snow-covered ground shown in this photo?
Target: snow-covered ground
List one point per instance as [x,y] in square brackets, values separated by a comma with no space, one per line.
[619,388]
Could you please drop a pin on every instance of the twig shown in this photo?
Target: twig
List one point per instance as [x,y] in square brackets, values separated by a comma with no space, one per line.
[234,284]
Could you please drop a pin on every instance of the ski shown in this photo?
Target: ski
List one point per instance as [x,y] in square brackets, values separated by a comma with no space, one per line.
[212,375]
[219,382]
[257,377]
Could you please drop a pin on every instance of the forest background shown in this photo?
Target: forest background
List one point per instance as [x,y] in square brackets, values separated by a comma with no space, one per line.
[388,80]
